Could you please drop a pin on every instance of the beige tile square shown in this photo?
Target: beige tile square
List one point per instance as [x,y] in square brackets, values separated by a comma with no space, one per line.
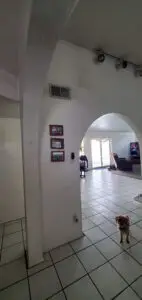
[44,284]
[108,281]
[82,290]
[127,267]
[12,272]
[61,252]
[12,253]
[108,248]
[81,243]
[137,286]
[91,258]
[69,270]
[17,291]
[128,294]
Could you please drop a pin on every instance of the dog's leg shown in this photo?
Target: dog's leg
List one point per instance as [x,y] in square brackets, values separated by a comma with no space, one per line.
[127,237]
[121,235]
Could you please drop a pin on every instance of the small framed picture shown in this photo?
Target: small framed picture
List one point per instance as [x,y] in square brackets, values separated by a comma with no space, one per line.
[56,143]
[56,130]
[57,156]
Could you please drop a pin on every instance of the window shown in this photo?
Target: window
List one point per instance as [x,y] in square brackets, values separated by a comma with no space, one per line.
[100,149]
[81,152]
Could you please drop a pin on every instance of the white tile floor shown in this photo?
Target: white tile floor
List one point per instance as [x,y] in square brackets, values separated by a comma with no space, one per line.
[95,266]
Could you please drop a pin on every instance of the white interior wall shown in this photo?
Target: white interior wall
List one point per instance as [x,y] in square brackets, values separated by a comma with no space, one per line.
[11,176]
[120,142]
[96,90]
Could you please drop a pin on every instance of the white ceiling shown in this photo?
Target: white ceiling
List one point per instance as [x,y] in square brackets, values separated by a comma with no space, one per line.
[110,122]
[9,25]
[13,18]
[114,25]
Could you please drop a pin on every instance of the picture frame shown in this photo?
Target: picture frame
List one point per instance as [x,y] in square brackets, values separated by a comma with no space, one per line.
[56,130]
[57,156]
[56,143]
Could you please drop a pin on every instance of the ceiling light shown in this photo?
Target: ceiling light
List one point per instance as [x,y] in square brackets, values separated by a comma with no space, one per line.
[121,63]
[100,56]
[138,71]
[124,64]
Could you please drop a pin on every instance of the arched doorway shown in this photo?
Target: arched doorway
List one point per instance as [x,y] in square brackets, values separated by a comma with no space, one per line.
[106,193]
[108,135]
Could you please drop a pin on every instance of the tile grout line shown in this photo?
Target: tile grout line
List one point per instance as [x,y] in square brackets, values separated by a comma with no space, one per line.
[2,242]
[87,273]
[25,258]
[119,254]
[70,284]
[8,247]
[109,261]
[10,285]
[14,221]
[4,264]
[120,247]
[113,241]
[109,236]
[57,276]
[7,234]
[129,286]
[110,219]
[17,281]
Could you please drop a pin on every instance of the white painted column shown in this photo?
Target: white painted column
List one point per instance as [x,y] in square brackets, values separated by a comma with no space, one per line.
[34,77]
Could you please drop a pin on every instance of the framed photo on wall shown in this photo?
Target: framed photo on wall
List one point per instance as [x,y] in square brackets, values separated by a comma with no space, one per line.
[56,130]
[56,143]
[57,156]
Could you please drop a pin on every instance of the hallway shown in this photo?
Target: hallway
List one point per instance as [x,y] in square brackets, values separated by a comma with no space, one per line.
[93,267]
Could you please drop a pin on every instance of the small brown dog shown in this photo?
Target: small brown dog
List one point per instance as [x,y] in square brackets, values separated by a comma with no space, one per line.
[124,227]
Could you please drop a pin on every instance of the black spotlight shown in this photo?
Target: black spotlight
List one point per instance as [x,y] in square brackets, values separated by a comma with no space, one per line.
[124,64]
[118,64]
[138,71]
[121,64]
[100,56]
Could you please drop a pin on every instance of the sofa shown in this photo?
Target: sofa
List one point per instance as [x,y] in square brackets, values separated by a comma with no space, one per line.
[122,163]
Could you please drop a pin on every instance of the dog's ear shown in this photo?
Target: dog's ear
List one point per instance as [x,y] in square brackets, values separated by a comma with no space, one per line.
[116,219]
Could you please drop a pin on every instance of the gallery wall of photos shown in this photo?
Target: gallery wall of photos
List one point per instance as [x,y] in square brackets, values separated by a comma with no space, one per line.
[57,143]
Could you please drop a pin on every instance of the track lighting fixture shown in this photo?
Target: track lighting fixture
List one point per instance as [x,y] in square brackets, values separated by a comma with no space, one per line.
[124,64]
[138,71]
[100,56]
[121,64]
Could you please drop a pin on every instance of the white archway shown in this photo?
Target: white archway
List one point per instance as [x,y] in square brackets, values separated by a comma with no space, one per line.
[119,131]
[61,182]
[97,91]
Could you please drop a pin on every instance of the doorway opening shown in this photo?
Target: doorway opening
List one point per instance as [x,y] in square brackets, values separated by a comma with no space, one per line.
[101,152]
[12,212]
[111,142]
[108,141]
